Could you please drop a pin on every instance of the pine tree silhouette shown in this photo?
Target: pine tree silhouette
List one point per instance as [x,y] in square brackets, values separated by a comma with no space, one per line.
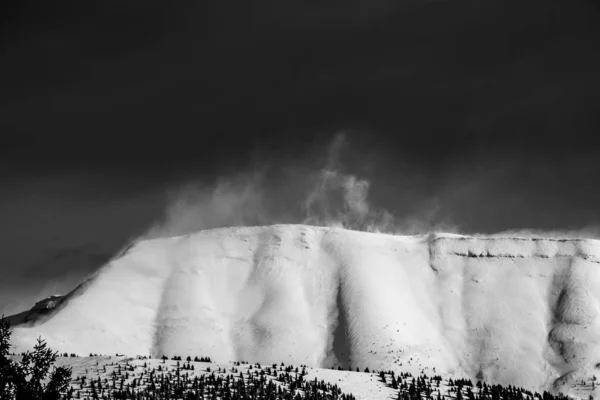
[26,380]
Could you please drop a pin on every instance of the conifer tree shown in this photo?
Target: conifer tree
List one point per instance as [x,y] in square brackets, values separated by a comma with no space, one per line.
[25,380]
[7,366]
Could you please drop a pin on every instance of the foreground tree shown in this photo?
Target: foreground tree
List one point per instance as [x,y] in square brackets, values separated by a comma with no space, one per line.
[30,379]
[7,366]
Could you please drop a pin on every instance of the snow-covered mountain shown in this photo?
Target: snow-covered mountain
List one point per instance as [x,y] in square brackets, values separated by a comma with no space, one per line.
[521,311]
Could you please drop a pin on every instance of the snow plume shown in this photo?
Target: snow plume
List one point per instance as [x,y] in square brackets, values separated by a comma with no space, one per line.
[339,199]
[329,196]
[235,201]
[342,200]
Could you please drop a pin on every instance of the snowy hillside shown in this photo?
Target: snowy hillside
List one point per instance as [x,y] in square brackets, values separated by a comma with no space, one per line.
[521,311]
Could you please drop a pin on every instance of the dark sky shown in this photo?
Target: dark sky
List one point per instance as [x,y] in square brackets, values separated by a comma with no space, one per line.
[475,115]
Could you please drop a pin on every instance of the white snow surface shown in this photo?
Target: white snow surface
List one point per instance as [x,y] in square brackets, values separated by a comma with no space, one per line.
[521,311]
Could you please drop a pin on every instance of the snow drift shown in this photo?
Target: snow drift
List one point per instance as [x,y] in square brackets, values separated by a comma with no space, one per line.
[523,311]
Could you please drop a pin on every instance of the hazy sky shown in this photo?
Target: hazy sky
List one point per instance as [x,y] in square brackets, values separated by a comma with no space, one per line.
[462,114]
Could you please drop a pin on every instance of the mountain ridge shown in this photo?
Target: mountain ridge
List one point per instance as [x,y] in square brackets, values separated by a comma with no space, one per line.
[505,309]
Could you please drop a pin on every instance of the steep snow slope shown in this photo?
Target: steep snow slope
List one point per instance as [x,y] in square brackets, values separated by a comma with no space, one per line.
[523,311]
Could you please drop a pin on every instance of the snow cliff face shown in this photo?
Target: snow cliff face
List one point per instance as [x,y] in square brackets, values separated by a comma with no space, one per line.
[521,311]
